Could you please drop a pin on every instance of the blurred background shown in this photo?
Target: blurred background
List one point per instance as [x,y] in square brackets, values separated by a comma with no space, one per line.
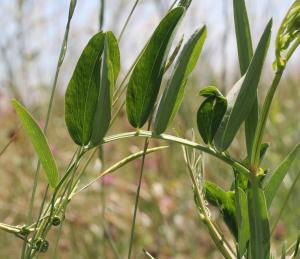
[98,220]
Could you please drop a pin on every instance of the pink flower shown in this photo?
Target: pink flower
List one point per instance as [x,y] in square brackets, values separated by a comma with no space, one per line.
[107,179]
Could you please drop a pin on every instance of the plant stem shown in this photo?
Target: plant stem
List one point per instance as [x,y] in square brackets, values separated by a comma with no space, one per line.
[148,134]
[101,14]
[118,165]
[218,239]
[137,196]
[262,122]
[50,106]
[127,20]
[9,228]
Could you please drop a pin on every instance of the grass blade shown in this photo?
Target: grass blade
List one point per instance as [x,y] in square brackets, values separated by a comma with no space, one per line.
[39,143]
[272,183]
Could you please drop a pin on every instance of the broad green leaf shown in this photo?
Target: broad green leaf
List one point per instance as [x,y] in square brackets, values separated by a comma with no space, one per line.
[82,92]
[272,183]
[204,119]
[210,113]
[245,53]
[258,221]
[109,73]
[174,92]
[224,201]
[242,220]
[145,81]
[242,97]
[114,54]
[39,143]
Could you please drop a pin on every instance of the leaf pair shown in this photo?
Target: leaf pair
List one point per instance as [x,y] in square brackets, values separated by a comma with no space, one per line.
[88,98]
[243,95]
[210,113]
[174,92]
[145,81]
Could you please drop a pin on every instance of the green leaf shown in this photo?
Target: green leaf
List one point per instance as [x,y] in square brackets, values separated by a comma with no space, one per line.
[242,220]
[145,81]
[224,201]
[39,143]
[242,96]
[245,53]
[243,34]
[220,107]
[272,183]
[258,221]
[114,54]
[82,92]
[210,113]
[109,73]
[204,119]
[174,92]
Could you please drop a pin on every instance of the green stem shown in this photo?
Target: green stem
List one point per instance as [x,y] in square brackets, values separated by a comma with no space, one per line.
[50,106]
[9,228]
[137,196]
[120,164]
[101,14]
[127,20]
[262,122]
[218,239]
[148,134]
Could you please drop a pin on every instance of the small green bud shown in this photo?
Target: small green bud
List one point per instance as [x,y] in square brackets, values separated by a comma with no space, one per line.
[42,245]
[24,230]
[56,221]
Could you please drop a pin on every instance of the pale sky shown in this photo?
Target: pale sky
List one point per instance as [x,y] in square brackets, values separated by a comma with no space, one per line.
[44,23]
